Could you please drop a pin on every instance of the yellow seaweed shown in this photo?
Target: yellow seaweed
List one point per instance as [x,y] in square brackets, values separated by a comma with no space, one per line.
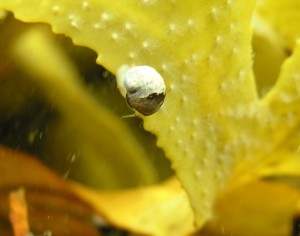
[202,50]
[98,130]
[212,119]
[257,208]
[280,108]
[269,53]
[283,17]
[153,209]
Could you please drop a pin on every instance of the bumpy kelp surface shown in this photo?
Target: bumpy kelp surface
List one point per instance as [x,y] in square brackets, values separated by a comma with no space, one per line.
[212,123]
[190,44]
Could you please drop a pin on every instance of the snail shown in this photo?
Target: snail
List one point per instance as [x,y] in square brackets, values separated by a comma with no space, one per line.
[143,88]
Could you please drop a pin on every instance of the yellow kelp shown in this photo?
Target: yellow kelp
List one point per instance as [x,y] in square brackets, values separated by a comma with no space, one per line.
[212,119]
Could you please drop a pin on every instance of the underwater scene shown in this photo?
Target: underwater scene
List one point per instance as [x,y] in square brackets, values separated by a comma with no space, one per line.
[150,117]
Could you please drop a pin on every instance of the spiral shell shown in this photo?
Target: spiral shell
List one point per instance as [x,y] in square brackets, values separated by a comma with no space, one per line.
[142,87]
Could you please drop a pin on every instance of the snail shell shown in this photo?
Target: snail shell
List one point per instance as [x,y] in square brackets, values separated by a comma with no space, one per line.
[142,87]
